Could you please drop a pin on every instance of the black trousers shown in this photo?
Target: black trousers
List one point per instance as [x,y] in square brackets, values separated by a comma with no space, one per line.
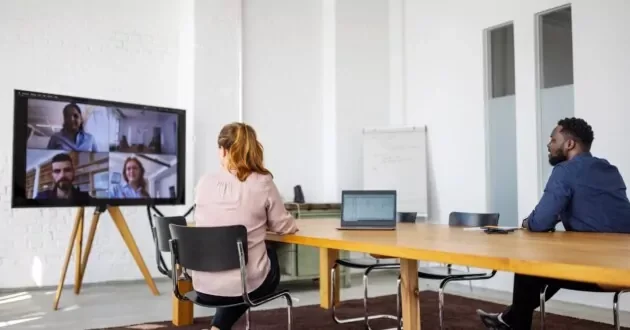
[226,317]
[526,297]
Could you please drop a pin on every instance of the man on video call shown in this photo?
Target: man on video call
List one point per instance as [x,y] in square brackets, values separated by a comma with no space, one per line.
[586,194]
[63,175]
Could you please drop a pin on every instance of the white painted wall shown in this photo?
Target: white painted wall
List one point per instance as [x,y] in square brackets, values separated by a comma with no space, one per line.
[95,51]
[445,91]
[282,70]
[315,74]
[363,75]
[217,85]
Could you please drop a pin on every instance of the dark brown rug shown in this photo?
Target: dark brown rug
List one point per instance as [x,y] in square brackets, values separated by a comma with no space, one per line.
[459,314]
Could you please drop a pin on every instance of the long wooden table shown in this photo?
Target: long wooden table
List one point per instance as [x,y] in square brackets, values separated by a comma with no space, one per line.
[587,257]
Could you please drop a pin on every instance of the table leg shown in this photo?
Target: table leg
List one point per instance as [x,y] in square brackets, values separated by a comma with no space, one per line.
[410,297]
[327,259]
[183,312]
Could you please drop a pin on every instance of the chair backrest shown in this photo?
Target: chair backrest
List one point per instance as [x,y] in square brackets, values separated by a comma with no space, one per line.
[467,219]
[209,249]
[163,231]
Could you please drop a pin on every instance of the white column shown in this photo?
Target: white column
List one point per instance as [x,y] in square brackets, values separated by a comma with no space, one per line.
[397,111]
[329,101]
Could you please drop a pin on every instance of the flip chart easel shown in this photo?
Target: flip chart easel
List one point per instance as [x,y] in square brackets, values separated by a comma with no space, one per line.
[76,237]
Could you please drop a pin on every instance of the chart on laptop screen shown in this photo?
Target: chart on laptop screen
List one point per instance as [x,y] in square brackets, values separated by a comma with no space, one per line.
[368,207]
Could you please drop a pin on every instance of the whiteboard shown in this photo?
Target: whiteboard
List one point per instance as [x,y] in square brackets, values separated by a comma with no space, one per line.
[396,159]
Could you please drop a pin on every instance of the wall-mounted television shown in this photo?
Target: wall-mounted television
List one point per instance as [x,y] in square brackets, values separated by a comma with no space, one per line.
[76,152]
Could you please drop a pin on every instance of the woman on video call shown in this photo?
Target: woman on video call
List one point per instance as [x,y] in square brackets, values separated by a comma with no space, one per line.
[242,192]
[136,184]
[72,136]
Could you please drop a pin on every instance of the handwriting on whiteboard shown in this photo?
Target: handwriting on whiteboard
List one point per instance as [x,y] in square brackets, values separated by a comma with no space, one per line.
[395,159]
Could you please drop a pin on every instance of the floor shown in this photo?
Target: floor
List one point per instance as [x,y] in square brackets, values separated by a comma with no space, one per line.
[118,304]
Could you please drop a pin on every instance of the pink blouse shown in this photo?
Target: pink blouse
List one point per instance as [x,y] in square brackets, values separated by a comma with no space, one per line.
[222,200]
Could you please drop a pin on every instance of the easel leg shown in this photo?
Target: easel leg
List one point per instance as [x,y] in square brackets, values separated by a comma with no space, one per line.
[64,269]
[77,255]
[88,248]
[121,224]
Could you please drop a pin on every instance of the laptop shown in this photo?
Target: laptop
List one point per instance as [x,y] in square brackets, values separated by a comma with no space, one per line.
[368,210]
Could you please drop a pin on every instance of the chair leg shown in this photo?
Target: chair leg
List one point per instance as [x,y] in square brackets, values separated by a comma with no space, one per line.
[616,308]
[365,300]
[543,293]
[332,295]
[365,318]
[441,299]
[469,282]
[453,279]
[441,303]
[333,308]
[248,321]
[289,311]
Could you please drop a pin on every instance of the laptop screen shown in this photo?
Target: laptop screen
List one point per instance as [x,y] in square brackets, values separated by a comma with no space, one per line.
[360,206]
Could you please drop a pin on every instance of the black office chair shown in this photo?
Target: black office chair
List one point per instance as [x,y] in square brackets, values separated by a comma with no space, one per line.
[216,249]
[161,234]
[162,237]
[616,295]
[448,274]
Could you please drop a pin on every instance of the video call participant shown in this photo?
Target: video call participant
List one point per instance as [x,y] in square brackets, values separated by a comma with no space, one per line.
[136,185]
[242,192]
[63,175]
[72,136]
[586,194]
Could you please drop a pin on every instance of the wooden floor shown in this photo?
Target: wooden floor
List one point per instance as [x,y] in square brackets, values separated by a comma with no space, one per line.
[119,304]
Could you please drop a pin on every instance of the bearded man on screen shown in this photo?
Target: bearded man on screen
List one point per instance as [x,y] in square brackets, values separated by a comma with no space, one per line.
[63,175]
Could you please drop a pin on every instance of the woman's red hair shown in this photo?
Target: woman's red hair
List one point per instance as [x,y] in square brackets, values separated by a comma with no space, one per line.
[244,151]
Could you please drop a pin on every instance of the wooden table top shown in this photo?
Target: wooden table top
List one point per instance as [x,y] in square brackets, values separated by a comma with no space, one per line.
[587,257]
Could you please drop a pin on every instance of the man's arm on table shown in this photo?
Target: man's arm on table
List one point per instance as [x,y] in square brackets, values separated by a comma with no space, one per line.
[556,197]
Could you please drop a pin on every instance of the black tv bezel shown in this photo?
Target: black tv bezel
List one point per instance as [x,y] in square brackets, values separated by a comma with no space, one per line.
[20,120]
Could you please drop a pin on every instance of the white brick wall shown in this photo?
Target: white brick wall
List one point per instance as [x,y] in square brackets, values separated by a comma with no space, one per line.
[133,51]
[217,82]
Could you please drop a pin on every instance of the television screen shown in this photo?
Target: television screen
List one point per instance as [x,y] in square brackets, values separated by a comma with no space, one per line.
[71,151]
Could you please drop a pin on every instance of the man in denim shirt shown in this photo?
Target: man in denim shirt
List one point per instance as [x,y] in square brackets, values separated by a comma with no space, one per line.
[586,194]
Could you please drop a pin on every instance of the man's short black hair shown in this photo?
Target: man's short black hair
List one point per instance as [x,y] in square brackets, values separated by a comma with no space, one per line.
[579,130]
[62,157]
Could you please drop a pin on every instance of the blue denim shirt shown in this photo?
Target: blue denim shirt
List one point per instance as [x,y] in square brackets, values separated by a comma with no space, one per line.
[124,191]
[84,142]
[586,194]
